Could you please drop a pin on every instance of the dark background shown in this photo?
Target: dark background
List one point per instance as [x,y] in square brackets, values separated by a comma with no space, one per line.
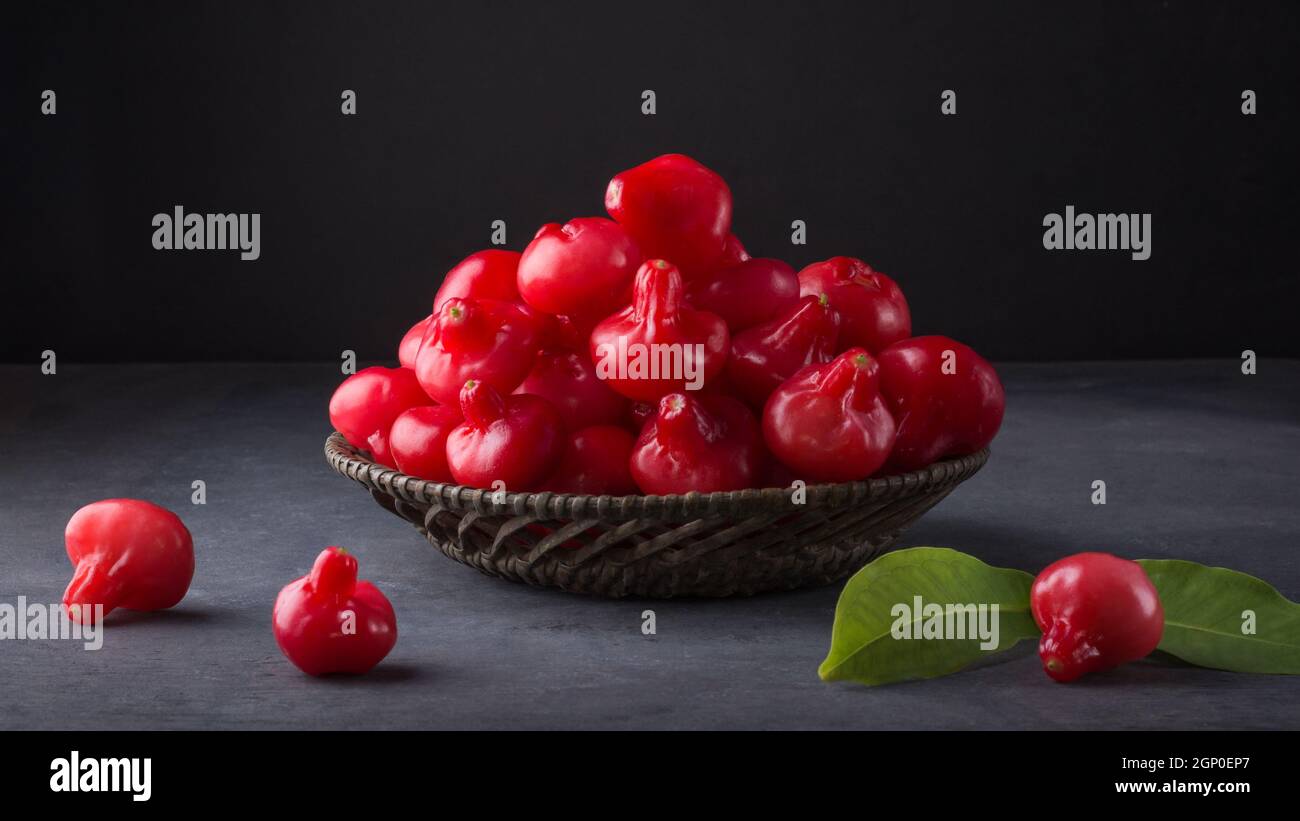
[821,111]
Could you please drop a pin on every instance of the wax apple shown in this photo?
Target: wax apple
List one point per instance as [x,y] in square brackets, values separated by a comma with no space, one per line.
[947,399]
[595,462]
[1096,611]
[515,440]
[828,422]
[364,406]
[746,294]
[704,443]
[486,274]
[418,441]
[329,622]
[568,380]
[492,342]
[675,209]
[630,347]
[765,356]
[126,553]
[409,348]
[582,268]
[872,309]
[733,252]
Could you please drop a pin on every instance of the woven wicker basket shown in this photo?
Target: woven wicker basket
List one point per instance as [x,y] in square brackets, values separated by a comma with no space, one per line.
[697,544]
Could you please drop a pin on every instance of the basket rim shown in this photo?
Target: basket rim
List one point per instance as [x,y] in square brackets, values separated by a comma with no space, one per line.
[357,464]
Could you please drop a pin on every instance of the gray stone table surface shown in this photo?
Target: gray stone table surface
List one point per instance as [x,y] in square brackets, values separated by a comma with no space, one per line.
[1200,462]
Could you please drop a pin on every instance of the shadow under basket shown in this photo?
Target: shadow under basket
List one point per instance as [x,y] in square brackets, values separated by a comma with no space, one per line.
[735,543]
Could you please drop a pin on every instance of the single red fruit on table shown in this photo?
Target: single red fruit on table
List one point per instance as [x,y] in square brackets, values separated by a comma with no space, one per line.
[482,275]
[126,553]
[746,294]
[328,622]
[568,381]
[765,356]
[418,441]
[516,440]
[1096,611]
[675,209]
[582,268]
[364,406]
[658,344]
[409,348]
[947,400]
[828,422]
[493,342]
[872,309]
[595,462]
[705,443]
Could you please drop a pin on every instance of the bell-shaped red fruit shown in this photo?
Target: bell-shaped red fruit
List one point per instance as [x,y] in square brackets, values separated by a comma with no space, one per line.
[510,443]
[329,622]
[703,443]
[126,553]
[493,342]
[872,309]
[658,344]
[828,423]
[765,356]
[1096,611]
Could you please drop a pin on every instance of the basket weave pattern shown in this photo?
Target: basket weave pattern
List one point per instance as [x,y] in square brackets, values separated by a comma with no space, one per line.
[698,544]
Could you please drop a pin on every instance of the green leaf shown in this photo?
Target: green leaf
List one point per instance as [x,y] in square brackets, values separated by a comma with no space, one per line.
[1205,610]
[863,643]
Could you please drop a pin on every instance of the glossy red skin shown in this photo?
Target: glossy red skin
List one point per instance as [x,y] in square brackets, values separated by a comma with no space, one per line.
[409,348]
[126,553]
[568,381]
[486,274]
[765,356]
[310,616]
[746,294]
[364,406]
[567,332]
[494,342]
[828,423]
[704,443]
[418,441]
[595,462]
[517,439]
[582,268]
[733,252]
[1096,611]
[658,316]
[939,415]
[377,444]
[676,209]
[872,309]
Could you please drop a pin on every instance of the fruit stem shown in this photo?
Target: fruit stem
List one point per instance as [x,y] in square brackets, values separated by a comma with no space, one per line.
[657,292]
[480,404]
[335,572]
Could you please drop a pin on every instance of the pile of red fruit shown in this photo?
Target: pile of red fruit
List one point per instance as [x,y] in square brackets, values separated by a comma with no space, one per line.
[649,352]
